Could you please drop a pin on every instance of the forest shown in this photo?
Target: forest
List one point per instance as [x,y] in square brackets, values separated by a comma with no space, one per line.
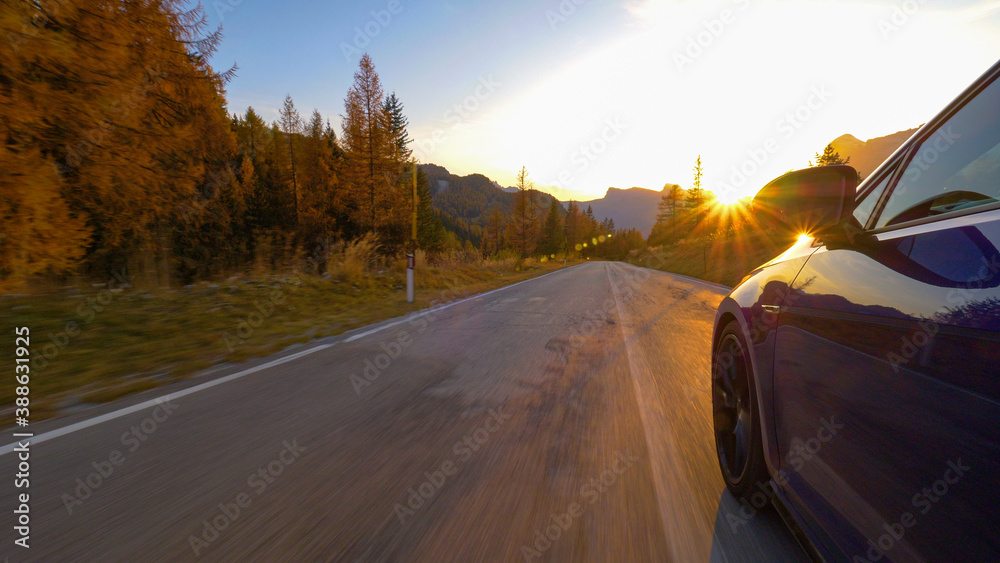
[120,153]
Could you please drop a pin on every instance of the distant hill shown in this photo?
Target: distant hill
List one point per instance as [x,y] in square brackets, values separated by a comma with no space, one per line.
[466,202]
[634,208]
[866,156]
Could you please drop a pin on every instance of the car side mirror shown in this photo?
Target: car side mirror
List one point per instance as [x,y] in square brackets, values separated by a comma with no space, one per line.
[816,201]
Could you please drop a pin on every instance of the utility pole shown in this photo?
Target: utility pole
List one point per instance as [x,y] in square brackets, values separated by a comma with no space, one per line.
[411,259]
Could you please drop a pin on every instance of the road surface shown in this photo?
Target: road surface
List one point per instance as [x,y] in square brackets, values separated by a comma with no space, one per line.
[566,418]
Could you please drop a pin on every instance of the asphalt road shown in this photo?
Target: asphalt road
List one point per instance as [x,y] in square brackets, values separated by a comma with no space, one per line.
[563,418]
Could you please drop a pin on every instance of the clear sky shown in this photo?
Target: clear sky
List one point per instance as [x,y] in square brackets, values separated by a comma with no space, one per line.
[592,94]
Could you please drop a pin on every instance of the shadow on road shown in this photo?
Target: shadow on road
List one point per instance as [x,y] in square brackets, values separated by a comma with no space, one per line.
[744,533]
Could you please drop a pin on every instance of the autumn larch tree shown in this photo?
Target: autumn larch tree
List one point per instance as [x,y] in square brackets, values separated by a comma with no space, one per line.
[493,235]
[291,126]
[112,116]
[522,228]
[368,145]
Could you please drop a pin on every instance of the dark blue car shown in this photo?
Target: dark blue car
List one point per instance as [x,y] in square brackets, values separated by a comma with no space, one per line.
[856,377]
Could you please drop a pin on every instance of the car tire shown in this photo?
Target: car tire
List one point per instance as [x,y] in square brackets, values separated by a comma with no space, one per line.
[736,415]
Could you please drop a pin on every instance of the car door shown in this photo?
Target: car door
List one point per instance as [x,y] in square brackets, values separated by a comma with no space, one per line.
[887,355]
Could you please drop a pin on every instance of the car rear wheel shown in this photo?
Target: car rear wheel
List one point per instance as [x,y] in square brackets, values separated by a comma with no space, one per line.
[736,414]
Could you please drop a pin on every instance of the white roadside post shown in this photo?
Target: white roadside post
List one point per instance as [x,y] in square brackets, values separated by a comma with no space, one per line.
[411,259]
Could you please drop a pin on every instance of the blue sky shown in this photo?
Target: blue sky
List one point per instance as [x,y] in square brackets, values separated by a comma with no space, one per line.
[590,95]
[429,53]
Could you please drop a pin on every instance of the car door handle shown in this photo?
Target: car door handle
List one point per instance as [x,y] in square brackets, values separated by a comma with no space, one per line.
[772,308]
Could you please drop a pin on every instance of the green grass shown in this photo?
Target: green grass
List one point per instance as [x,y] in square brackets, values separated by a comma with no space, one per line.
[133,340]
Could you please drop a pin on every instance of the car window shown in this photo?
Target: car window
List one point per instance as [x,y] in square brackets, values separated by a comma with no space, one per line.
[865,204]
[956,168]
[956,255]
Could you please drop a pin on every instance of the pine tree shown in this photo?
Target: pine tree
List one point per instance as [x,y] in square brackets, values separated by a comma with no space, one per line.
[830,157]
[696,196]
[667,205]
[291,126]
[552,231]
[398,123]
[572,227]
[590,226]
[430,229]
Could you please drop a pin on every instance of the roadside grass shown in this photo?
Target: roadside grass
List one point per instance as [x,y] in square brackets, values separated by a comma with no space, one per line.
[724,261]
[96,345]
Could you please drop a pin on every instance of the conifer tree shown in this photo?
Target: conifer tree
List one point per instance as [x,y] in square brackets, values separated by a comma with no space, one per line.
[552,240]
[830,157]
[111,114]
[522,228]
[696,195]
[291,126]
[430,229]
[572,226]
[398,123]
[368,146]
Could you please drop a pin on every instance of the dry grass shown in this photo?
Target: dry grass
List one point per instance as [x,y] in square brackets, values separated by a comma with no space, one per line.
[724,261]
[132,340]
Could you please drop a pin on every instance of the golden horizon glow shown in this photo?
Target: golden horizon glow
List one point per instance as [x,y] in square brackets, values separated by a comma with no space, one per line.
[729,198]
[626,113]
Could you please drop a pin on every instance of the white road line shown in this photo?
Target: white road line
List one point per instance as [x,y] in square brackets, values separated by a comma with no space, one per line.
[44,437]
[683,537]
[453,303]
[153,402]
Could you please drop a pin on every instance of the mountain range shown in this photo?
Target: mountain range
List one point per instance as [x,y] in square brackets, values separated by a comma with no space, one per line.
[465,202]
[866,156]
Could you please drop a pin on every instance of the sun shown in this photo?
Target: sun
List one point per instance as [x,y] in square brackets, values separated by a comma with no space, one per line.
[727,198]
